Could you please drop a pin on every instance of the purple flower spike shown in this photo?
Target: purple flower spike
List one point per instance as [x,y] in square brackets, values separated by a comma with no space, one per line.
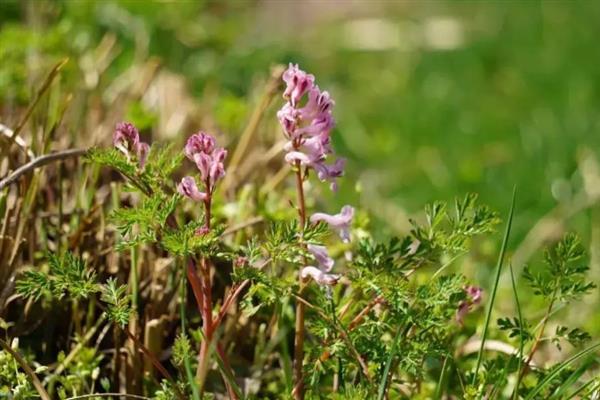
[339,222]
[298,82]
[188,188]
[319,276]
[321,256]
[309,127]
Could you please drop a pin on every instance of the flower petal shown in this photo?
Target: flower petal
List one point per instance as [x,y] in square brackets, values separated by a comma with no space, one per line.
[319,276]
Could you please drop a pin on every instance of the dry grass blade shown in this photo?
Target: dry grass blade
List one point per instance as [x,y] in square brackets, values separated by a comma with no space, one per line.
[251,128]
[40,162]
[34,379]
[47,82]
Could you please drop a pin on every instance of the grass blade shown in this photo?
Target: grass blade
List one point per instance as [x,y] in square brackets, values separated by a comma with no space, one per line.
[572,379]
[388,366]
[521,339]
[583,387]
[559,369]
[495,287]
[439,391]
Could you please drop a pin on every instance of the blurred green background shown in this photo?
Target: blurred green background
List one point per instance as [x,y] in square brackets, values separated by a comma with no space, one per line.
[433,99]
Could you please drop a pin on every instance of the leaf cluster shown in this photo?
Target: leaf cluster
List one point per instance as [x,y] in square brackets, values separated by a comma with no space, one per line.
[564,275]
[118,302]
[265,290]
[185,241]
[515,329]
[142,224]
[160,164]
[67,275]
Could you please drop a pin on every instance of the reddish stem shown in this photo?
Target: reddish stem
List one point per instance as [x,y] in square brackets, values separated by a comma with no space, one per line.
[231,297]
[298,391]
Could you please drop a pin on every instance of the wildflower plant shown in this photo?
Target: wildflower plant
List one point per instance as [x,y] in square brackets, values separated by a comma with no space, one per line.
[368,319]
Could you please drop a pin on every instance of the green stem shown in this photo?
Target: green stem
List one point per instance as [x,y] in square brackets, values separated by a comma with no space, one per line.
[133,279]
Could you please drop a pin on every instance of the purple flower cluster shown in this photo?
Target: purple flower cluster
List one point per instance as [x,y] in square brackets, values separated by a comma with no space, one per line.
[202,150]
[307,122]
[474,294]
[308,127]
[126,139]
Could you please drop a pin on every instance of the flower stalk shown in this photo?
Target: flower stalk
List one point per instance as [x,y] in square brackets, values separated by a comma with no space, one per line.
[307,121]
[202,150]
[300,311]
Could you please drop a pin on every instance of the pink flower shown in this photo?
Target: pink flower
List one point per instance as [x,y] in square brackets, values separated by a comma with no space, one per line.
[187,187]
[217,169]
[201,149]
[126,139]
[288,118]
[474,294]
[325,172]
[325,264]
[339,222]
[298,82]
[330,173]
[319,103]
[318,146]
[203,230]
[142,153]
[200,142]
[319,276]
[321,256]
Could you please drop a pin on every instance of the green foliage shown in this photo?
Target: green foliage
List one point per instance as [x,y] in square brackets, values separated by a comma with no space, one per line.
[447,232]
[153,178]
[575,336]
[162,162]
[515,329]
[81,374]
[143,223]
[281,242]
[14,384]
[117,300]
[265,290]
[186,241]
[564,275]
[112,158]
[68,275]
[182,350]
